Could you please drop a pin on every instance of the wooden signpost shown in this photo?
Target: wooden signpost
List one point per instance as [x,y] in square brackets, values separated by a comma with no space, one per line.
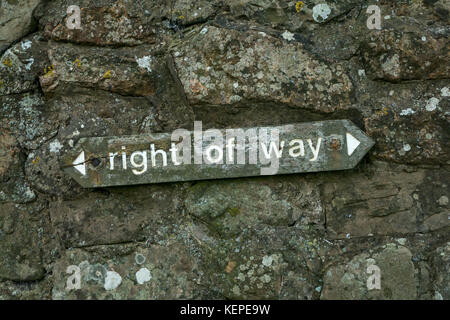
[216,154]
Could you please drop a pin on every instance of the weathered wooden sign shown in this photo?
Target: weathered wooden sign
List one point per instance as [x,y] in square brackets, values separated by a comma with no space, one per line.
[215,154]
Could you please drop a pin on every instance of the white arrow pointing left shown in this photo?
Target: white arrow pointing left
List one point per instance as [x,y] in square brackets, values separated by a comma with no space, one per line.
[80,164]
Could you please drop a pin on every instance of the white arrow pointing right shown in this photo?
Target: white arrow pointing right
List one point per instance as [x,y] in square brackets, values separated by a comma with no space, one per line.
[352,144]
[79,164]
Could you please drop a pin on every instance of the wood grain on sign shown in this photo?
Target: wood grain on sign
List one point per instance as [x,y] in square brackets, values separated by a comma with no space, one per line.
[231,153]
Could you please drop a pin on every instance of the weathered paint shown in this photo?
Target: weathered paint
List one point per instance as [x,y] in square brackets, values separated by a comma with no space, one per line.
[336,153]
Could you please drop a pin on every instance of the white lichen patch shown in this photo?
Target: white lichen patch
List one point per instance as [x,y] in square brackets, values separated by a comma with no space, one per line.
[265,278]
[321,12]
[391,65]
[288,36]
[29,194]
[438,296]
[29,63]
[143,276]
[236,290]
[26,44]
[204,30]
[406,147]
[235,98]
[144,62]
[139,258]
[407,112]
[55,146]
[445,92]
[432,104]
[112,280]
[443,201]
[267,261]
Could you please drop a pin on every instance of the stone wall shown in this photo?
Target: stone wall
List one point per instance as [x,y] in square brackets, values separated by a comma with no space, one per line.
[154,66]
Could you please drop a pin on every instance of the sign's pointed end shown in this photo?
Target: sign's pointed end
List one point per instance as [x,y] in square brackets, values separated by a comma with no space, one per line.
[79,164]
[352,144]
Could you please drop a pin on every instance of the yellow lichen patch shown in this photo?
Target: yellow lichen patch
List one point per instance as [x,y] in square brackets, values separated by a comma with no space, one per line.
[7,62]
[181,17]
[1,83]
[49,71]
[35,160]
[233,211]
[299,6]
[383,111]
[77,62]
[107,74]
